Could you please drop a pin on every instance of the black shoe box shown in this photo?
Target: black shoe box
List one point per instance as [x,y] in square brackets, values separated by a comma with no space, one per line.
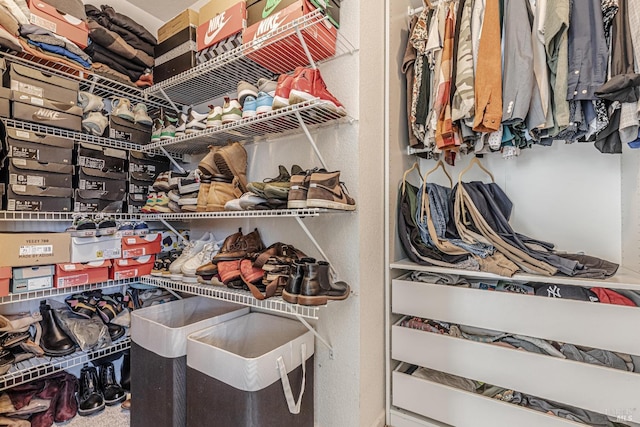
[145,167]
[39,174]
[98,201]
[44,112]
[175,55]
[5,97]
[103,158]
[125,130]
[140,187]
[42,85]
[22,144]
[96,180]
[135,202]
[33,198]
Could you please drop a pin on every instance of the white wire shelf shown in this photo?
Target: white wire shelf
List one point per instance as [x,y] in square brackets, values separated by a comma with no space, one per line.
[271,213]
[273,304]
[64,216]
[47,293]
[89,81]
[39,367]
[313,114]
[219,76]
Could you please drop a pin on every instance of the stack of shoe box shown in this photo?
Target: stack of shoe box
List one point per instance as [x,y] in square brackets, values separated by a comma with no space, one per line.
[143,170]
[101,179]
[221,25]
[177,48]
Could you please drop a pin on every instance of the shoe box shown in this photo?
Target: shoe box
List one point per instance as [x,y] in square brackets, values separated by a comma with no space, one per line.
[41,85]
[97,180]
[6,273]
[99,201]
[125,130]
[5,102]
[187,18]
[145,168]
[320,38]
[27,279]
[28,249]
[139,187]
[132,267]
[257,10]
[40,174]
[48,17]
[79,274]
[135,203]
[42,111]
[176,54]
[137,246]
[24,144]
[35,198]
[102,158]
[89,249]
[221,26]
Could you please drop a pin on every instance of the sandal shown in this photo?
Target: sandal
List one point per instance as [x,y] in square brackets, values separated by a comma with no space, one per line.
[11,340]
[84,304]
[109,307]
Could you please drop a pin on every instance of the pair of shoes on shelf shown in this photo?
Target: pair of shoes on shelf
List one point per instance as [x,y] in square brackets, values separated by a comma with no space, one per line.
[317,188]
[162,263]
[121,107]
[192,122]
[195,254]
[310,283]
[98,389]
[224,177]
[305,84]
[85,226]
[108,307]
[94,122]
[163,127]
[256,99]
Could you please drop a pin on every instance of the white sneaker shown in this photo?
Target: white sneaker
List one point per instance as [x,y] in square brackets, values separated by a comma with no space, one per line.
[196,122]
[267,86]
[140,114]
[233,205]
[122,109]
[174,179]
[192,248]
[201,258]
[214,119]
[95,123]
[174,196]
[231,111]
[189,183]
[182,125]
[90,102]
[248,200]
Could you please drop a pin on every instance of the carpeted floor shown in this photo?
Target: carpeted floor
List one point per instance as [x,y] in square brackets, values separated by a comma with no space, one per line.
[112,416]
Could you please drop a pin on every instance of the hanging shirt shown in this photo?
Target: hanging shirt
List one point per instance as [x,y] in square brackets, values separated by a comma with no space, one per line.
[445,130]
[464,96]
[557,45]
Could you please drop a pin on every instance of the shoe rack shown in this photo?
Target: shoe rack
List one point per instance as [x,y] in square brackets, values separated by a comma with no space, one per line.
[210,80]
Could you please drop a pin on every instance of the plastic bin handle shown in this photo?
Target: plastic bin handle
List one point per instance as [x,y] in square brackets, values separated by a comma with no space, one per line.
[294,407]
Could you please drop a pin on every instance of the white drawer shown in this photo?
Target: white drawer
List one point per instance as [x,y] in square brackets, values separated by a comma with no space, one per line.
[604,326]
[400,418]
[586,386]
[463,409]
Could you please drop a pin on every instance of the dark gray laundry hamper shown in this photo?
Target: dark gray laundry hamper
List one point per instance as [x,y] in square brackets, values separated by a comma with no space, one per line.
[158,356]
[252,371]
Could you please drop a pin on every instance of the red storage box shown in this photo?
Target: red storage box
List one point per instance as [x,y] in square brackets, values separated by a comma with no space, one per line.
[5,280]
[287,54]
[46,16]
[137,246]
[132,267]
[79,274]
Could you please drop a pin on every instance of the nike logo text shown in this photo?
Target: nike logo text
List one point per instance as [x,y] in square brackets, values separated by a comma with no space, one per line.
[215,26]
[47,115]
[269,25]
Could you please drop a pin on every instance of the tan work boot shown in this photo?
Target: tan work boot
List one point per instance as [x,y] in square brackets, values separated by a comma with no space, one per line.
[326,191]
[207,165]
[231,160]
[203,194]
[220,193]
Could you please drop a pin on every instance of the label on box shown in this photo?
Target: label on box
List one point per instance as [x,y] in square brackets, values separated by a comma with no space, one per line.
[27,88]
[19,179]
[140,189]
[143,168]
[39,283]
[125,136]
[32,250]
[23,134]
[44,23]
[25,153]
[85,207]
[108,253]
[24,205]
[92,185]
[134,253]
[77,280]
[126,274]
[91,163]
[20,162]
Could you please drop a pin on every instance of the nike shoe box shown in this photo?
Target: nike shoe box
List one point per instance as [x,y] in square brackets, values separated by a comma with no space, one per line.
[102,158]
[80,274]
[99,201]
[262,9]
[22,144]
[40,174]
[144,168]
[187,18]
[220,30]
[27,279]
[48,17]
[97,180]
[288,53]
[125,130]
[45,112]
[34,198]
[176,54]
[42,85]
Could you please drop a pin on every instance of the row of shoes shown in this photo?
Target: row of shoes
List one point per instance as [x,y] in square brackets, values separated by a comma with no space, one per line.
[304,85]
[173,192]
[105,225]
[89,303]
[99,388]
[95,119]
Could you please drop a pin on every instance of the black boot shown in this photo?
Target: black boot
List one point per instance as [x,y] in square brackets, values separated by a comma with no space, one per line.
[317,287]
[90,398]
[125,372]
[111,390]
[54,341]
[115,331]
[298,270]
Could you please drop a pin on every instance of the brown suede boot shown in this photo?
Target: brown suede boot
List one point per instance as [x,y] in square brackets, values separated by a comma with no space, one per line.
[203,194]
[220,193]
[326,191]
[207,165]
[248,244]
[231,160]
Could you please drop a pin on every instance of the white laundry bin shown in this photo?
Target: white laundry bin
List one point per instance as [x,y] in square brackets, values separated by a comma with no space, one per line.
[158,356]
[252,371]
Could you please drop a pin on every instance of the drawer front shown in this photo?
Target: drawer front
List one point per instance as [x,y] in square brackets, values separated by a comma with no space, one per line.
[597,325]
[463,409]
[406,419]
[552,378]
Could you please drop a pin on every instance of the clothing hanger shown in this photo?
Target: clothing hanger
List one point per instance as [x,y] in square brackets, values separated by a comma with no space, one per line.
[440,164]
[413,167]
[476,161]
[425,202]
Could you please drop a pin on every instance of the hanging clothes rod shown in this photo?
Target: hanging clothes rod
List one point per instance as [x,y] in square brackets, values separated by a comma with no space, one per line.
[415,11]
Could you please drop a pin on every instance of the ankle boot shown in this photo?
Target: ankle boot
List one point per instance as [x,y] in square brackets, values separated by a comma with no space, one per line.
[125,371]
[207,165]
[327,191]
[54,341]
[220,193]
[247,244]
[317,287]
[67,406]
[298,271]
[231,160]
[227,246]
[90,399]
[203,194]
[112,392]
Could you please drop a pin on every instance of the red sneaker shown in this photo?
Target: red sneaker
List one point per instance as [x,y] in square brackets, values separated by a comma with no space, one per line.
[281,98]
[309,85]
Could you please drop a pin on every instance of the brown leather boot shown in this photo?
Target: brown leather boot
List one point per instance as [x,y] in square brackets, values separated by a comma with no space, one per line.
[207,165]
[247,244]
[220,193]
[231,160]
[227,246]
[203,194]
[326,191]
[317,287]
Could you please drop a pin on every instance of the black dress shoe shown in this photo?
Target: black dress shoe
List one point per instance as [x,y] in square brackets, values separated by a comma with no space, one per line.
[111,390]
[90,398]
[54,341]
